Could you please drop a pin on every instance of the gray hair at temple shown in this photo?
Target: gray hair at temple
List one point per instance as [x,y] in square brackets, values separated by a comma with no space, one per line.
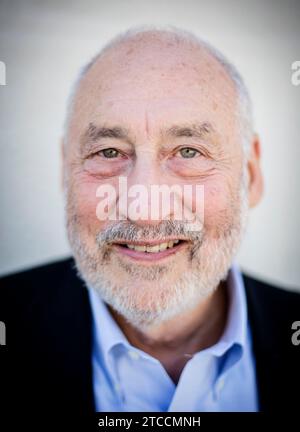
[244,111]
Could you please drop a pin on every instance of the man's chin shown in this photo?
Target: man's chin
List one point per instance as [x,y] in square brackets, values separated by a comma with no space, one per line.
[148,296]
[132,275]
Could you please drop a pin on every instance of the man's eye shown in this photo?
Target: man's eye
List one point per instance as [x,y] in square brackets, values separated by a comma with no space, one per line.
[110,153]
[188,152]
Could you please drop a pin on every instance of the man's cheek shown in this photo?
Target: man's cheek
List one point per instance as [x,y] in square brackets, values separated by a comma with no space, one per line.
[86,206]
[217,205]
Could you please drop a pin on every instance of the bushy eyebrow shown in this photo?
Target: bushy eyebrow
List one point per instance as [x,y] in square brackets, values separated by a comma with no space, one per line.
[195,130]
[94,133]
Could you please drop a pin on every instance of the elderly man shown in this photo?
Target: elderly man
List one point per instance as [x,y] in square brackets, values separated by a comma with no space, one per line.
[152,313]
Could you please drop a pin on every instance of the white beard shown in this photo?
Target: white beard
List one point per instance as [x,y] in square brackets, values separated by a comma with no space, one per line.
[135,301]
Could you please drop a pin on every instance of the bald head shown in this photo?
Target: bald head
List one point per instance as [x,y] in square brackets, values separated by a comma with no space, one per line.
[155,56]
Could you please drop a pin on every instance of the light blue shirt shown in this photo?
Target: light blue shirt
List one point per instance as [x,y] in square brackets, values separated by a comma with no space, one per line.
[218,378]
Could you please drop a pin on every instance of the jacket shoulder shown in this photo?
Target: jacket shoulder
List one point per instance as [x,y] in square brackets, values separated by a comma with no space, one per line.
[269,295]
[29,286]
[272,311]
[48,324]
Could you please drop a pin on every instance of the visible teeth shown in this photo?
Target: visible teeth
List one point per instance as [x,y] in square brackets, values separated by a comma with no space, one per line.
[163,246]
[140,248]
[155,248]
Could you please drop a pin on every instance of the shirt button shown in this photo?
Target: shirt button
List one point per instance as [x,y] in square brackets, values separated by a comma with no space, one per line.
[134,355]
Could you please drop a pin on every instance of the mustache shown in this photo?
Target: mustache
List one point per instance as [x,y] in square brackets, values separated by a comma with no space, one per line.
[129,231]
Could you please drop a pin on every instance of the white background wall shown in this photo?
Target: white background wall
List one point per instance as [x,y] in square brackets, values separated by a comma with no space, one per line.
[44,43]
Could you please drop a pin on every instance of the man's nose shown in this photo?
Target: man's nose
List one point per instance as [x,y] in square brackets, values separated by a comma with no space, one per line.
[145,176]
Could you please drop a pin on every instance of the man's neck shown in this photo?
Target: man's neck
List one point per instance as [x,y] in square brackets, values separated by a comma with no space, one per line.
[175,341]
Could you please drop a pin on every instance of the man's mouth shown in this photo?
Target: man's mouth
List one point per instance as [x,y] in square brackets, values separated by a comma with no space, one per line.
[150,251]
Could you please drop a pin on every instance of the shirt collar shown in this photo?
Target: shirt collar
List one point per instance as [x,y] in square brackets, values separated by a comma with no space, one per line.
[108,334]
[235,331]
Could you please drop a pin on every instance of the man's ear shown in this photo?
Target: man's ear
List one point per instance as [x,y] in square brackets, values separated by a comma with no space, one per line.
[255,185]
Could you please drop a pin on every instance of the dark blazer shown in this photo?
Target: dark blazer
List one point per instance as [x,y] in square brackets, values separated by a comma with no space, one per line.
[46,362]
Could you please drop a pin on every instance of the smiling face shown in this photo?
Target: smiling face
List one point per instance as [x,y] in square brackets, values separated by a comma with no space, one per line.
[156,113]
